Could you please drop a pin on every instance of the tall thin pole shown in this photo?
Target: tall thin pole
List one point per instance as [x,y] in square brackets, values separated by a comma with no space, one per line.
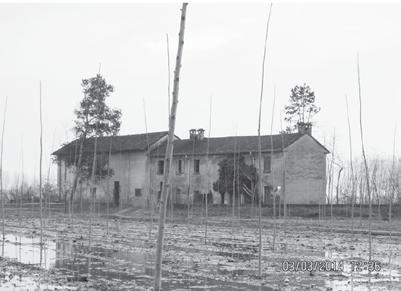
[234,182]
[1,171]
[22,181]
[233,195]
[48,179]
[150,200]
[271,169]
[283,188]
[168,74]
[365,162]
[168,108]
[392,181]
[209,188]
[169,154]
[352,169]
[260,147]
[108,185]
[40,168]
[93,183]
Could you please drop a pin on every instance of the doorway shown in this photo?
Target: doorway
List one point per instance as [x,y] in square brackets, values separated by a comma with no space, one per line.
[116,193]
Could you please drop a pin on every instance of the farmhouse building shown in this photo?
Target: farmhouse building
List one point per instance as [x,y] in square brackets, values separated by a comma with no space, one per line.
[293,166]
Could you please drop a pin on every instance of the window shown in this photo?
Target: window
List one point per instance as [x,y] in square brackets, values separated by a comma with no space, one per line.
[93,192]
[267,164]
[196,166]
[180,167]
[160,167]
[138,192]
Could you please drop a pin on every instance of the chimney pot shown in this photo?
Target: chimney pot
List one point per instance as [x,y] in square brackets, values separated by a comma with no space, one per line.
[201,133]
[304,128]
[192,133]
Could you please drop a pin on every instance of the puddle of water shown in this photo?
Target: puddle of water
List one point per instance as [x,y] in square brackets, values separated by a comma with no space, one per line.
[26,250]
[72,259]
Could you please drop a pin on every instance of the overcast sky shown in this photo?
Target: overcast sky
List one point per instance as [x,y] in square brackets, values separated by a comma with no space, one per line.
[311,43]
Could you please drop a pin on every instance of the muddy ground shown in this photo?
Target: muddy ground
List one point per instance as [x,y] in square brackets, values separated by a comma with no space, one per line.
[122,258]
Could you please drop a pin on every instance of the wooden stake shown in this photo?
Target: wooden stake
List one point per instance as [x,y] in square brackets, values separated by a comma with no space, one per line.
[169,154]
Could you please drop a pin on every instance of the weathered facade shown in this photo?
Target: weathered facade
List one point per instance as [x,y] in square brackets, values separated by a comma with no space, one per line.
[293,166]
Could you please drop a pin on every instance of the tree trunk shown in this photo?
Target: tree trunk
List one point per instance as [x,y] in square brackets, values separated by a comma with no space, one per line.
[169,154]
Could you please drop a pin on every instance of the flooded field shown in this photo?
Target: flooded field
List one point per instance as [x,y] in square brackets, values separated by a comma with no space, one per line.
[122,259]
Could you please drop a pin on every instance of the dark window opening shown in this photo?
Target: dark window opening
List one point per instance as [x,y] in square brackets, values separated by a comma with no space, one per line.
[116,193]
[196,166]
[160,167]
[267,164]
[179,167]
[138,192]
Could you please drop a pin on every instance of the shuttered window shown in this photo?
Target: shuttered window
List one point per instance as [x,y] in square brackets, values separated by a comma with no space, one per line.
[267,164]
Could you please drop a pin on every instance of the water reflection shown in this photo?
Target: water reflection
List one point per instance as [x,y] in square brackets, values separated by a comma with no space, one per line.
[76,261]
[74,258]
[27,250]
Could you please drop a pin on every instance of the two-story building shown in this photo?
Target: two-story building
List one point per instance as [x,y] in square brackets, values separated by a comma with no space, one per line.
[294,163]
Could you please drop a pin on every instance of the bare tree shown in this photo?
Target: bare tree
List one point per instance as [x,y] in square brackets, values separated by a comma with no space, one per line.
[169,154]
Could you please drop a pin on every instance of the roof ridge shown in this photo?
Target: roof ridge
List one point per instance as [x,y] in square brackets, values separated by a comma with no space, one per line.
[247,136]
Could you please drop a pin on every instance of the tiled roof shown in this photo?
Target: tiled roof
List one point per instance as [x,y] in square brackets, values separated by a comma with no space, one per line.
[223,145]
[121,143]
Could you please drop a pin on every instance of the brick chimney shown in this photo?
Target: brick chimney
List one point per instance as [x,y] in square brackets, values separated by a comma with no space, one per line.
[304,128]
[192,134]
[201,133]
